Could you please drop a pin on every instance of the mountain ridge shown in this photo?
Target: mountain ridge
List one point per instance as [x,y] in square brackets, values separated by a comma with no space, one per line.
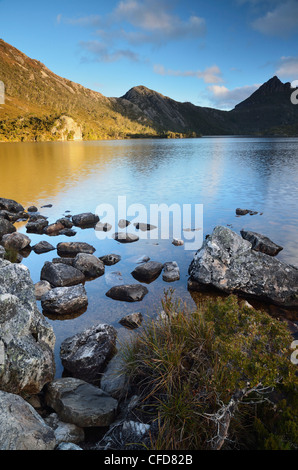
[36,98]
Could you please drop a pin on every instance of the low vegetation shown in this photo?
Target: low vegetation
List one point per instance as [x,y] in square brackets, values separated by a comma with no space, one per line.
[216,378]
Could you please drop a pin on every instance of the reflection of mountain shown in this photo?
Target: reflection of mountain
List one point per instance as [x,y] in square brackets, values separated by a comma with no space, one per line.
[36,97]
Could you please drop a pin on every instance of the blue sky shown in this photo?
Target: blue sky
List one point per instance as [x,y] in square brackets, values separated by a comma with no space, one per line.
[211,53]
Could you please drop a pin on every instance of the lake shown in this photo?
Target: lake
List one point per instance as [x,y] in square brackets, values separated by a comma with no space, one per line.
[221,173]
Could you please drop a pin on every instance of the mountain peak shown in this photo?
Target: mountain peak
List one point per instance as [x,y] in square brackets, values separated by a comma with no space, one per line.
[272,91]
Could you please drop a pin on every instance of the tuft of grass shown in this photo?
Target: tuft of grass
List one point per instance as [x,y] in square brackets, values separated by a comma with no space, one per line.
[189,365]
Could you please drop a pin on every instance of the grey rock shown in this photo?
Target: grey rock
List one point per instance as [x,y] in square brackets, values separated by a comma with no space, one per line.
[147,272]
[65,300]
[6,227]
[80,403]
[132,321]
[227,262]
[32,209]
[65,222]
[65,432]
[21,426]
[73,248]
[43,247]
[10,205]
[54,229]
[144,227]
[128,293]
[171,272]
[68,232]
[68,446]
[110,260]
[124,237]
[86,219]
[245,212]
[123,223]
[261,243]
[103,227]
[15,241]
[68,261]
[89,265]
[86,354]
[36,226]
[2,252]
[114,380]
[26,338]
[61,275]
[41,288]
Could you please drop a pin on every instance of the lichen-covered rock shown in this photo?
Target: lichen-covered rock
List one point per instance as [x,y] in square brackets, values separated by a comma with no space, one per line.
[65,300]
[86,354]
[21,426]
[26,339]
[227,262]
[171,272]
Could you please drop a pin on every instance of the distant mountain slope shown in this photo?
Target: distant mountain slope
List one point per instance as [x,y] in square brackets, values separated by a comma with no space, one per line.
[39,103]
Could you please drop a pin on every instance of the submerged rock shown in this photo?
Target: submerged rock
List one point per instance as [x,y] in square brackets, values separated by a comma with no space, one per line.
[103,227]
[80,403]
[124,237]
[261,243]
[65,300]
[147,272]
[128,293]
[21,426]
[132,321]
[86,354]
[144,227]
[61,275]
[110,260]
[227,262]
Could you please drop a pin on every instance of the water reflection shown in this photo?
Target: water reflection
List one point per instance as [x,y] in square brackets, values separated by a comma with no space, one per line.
[221,173]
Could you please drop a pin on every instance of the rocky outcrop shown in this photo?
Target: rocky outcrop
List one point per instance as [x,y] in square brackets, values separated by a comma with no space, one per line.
[80,403]
[21,426]
[26,338]
[65,128]
[86,354]
[227,262]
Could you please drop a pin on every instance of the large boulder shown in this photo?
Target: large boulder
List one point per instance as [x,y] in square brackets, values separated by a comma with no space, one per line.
[65,300]
[21,426]
[227,262]
[80,403]
[61,275]
[128,293]
[26,339]
[86,354]
[147,272]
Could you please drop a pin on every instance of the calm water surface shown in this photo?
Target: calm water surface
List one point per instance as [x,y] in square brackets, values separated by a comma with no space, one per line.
[221,173]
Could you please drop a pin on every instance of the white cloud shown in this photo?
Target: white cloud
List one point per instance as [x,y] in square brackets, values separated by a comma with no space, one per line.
[280,21]
[209,75]
[224,98]
[288,67]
